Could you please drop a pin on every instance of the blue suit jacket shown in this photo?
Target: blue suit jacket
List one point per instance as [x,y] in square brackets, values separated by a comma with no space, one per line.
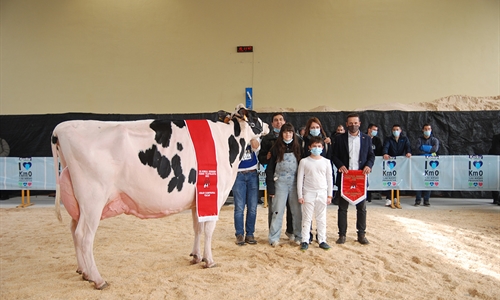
[340,152]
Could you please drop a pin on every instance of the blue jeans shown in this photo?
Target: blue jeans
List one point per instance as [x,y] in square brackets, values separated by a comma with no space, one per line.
[418,197]
[245,192]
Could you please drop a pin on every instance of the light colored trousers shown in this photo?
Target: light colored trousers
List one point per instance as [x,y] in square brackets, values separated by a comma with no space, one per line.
[314,205]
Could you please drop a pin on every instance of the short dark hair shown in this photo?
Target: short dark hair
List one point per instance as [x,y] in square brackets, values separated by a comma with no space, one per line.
[316,139]
[372,125]
[352,115]
[278,114]
[426,124]
[397,125]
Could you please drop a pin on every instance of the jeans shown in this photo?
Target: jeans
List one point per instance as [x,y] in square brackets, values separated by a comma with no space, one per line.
[418,197]
[245,192]
[360,217]
[289,219]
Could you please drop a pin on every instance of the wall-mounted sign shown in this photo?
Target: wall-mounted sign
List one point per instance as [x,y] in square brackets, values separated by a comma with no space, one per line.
[244,49]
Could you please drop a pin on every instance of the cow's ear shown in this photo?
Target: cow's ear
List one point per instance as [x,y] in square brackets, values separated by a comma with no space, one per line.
[223,116]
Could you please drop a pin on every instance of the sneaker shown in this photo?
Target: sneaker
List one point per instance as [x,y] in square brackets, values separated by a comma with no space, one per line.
[298,242]
[416,203]
[275,244]
[341,240]
[304,246]
[290,236]
[427,203]
[249,239]
[388,202]
[240,240]
[324,246]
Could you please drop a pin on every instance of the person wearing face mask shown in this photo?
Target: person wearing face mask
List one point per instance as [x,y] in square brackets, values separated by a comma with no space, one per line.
[314,189]
[427,144]
[376,146]
[278,119]
[352,151]
[315,129]
[281,180]
[395,145]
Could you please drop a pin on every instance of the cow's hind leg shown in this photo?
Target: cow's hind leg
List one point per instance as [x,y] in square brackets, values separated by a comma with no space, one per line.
[79,258]
[207,253]
[84,239]
[198,230]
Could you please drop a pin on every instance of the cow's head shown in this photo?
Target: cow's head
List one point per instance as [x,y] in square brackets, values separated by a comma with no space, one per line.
[250,116]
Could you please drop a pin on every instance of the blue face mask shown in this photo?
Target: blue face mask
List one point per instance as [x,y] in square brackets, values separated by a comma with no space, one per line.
[374,133]
[395,133]
[316,151]
[315,132]
[288,141]
[427,133]
[276,130]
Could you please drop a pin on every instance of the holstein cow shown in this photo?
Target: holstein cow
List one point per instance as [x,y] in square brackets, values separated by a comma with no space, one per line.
[147,168]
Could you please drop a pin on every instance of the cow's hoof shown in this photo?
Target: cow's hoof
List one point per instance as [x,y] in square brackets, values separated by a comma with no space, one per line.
[211,265]
[102,287]
[84,277]
[195,259]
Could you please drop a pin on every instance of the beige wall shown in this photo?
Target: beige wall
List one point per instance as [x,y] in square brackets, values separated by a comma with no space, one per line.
[174,56]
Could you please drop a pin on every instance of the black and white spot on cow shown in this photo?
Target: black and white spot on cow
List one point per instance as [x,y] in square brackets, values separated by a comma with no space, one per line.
[163,130]
[243,147]
[179,146]
[153,158]
[234,149]
[192,176]
[237,128]
[178,180]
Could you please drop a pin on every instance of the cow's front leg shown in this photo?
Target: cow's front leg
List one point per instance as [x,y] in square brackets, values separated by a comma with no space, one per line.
[207,253]
[198,230]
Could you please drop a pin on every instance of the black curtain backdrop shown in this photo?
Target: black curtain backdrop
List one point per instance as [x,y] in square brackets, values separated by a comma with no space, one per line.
[460,133]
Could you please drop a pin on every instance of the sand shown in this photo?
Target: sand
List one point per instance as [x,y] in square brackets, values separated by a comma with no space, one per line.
[448,103]
[450,250]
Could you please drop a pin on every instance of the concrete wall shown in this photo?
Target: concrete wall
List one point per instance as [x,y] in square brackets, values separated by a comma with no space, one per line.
[176,56]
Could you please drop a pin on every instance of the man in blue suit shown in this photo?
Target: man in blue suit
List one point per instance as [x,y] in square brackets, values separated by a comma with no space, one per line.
[352,150]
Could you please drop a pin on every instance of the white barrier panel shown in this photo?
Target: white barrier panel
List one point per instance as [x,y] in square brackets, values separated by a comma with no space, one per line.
[22,173]
[462,173]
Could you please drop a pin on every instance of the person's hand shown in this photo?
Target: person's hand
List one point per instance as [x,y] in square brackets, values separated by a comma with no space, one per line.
[386,156]
[301,200]
[343,169]
[329,200]
[268,156]
[327,140]
[254,143]
[272,196]
[408,155]
[366,170]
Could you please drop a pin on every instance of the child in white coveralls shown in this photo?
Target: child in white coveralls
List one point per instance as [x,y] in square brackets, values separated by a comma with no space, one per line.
[314,188]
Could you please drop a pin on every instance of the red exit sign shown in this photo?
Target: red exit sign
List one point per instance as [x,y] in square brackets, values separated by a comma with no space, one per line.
[244,49]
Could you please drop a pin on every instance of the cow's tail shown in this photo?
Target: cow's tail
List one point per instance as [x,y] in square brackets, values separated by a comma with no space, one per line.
[55,143]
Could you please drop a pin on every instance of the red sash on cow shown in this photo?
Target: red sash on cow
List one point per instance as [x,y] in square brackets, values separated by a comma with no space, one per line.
[353,186]
[206,183]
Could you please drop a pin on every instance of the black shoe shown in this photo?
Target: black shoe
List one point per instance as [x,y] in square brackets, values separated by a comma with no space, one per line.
[249,239]
[416,203]
[341,240]
[324,246]
[427,203]
[362,239]
[304,246]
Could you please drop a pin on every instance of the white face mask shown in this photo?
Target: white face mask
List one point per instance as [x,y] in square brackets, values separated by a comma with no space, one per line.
[374,133]
[395,133]
[288,141]
[427,133]
[316,150]
[315,131]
